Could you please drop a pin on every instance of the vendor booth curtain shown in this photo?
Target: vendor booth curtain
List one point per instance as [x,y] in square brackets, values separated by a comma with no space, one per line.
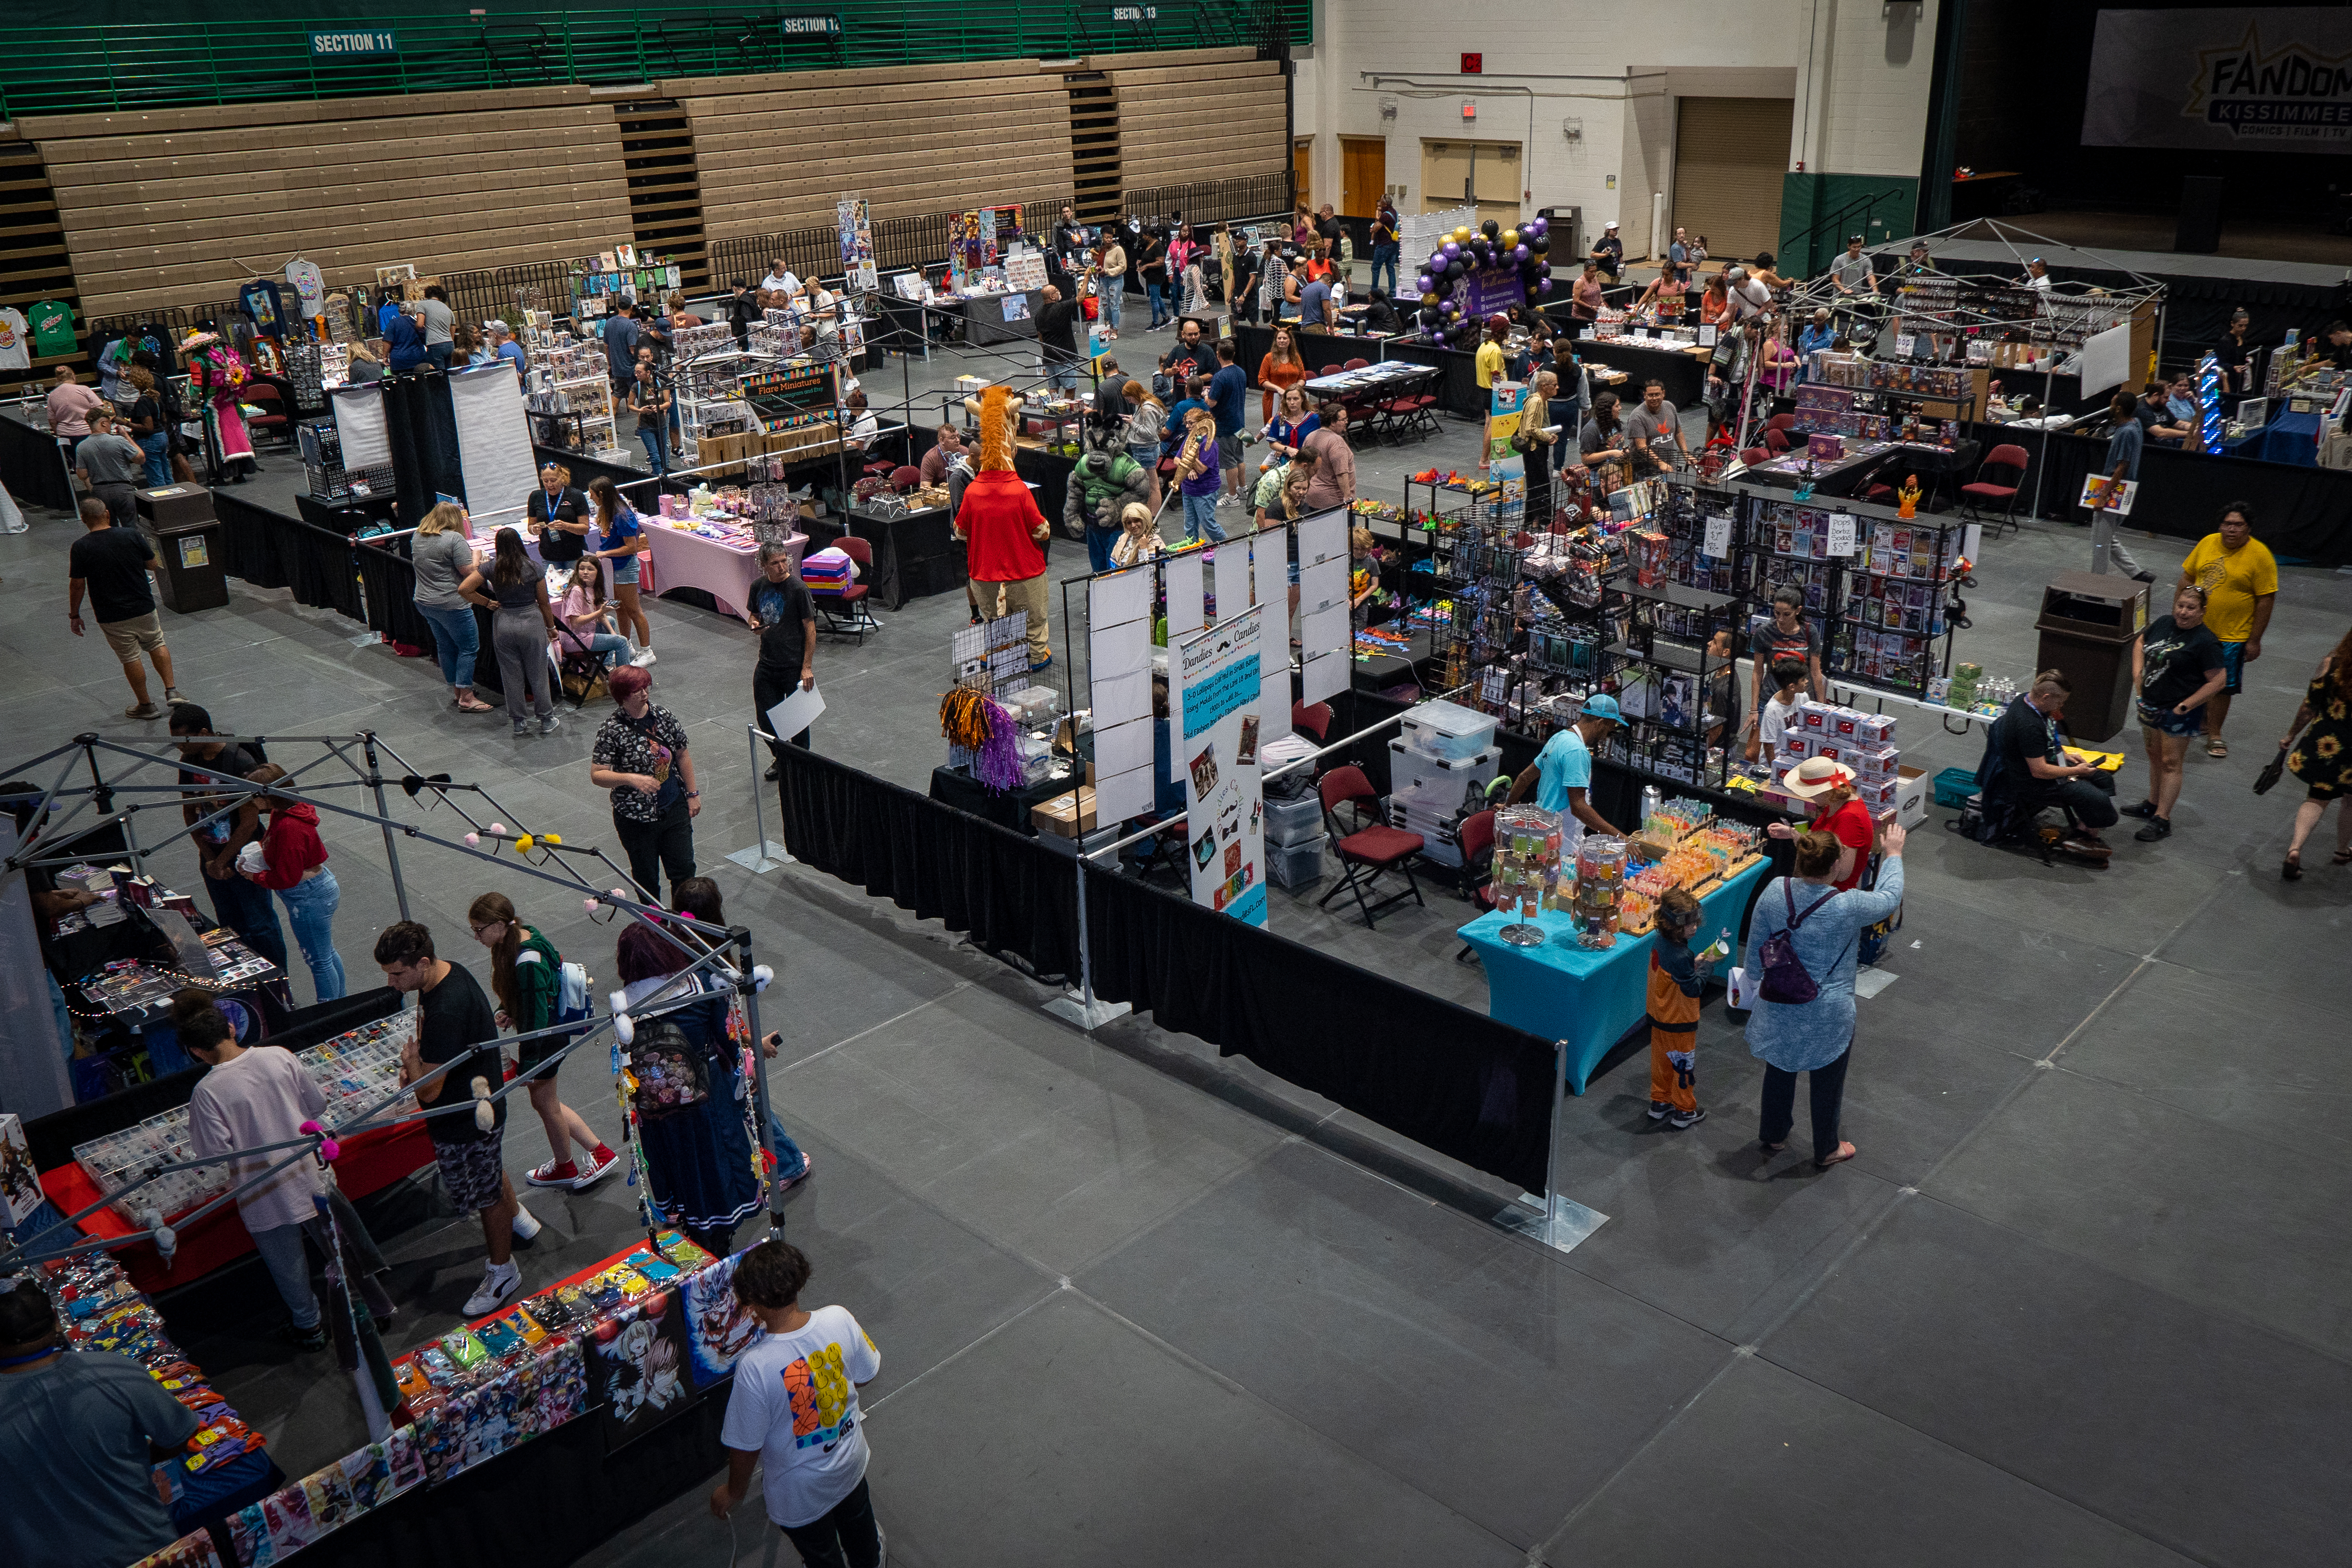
[2303,514]
[421,431]
[271,550]
[1449,1078]
[1012,895]
[32,468]
[1445,1076]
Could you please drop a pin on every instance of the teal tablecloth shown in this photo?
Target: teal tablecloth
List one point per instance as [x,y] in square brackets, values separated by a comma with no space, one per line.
[1588,996]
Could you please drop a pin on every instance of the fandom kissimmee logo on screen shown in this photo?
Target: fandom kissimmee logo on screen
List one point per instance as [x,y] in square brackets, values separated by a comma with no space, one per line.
[2212,79]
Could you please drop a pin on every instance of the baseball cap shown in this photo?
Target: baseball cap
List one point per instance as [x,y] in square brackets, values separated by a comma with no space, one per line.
[1609,225]
[1601,705]
[1816,776]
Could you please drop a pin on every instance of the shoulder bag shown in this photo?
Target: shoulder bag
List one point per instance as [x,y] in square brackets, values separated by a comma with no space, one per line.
[1786,979]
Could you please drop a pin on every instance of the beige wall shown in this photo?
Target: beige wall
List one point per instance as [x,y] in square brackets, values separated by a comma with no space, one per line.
[175,206]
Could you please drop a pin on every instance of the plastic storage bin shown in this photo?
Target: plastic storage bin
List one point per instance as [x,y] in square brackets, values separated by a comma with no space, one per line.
[1447,730]
[1289,822]
[1296,864]
[1418,772]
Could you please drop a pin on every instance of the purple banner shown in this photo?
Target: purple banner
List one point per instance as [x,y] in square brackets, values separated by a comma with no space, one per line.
[1491,291]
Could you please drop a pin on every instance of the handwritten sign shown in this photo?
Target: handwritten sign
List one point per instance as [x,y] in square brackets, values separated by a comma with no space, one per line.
[1840,533]
[1719,537]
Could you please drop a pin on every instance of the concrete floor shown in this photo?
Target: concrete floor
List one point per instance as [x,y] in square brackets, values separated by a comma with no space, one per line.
[2080,1299]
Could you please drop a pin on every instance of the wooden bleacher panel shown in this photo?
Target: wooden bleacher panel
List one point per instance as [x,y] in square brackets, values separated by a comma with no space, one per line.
[163,207]
[1184,120]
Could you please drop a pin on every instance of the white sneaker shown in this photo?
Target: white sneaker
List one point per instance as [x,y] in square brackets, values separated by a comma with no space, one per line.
[645,657]
[500,1284]
[526,1226]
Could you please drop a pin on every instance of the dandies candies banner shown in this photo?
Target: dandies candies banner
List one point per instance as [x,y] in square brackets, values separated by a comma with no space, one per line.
[1214,712]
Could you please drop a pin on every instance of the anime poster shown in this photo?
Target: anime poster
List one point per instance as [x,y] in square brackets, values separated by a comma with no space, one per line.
[368,1473]
[272,1530]
[718,1327]
[194,1551]
[332,1501]
[638,1368]
[403,1453]
[442,1441]
[562,1386]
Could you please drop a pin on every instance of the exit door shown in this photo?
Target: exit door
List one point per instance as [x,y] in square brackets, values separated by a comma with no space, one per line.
[1364,174]
[1483,174]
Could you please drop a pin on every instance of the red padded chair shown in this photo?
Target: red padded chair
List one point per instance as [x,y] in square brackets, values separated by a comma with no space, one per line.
[1358,364]
[846,612]
[1984,493]
[1312,720]
[1782,422]
[905,476]
[1369,851]
[1751,456]
[1776,441]
[271,425]
[1476,837]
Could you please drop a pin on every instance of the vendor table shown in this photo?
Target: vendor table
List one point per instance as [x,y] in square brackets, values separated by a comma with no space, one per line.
[984,318]
[951,786]
[725,572]
[370,1162]
[1589,998]
[915,556]
[1682,369]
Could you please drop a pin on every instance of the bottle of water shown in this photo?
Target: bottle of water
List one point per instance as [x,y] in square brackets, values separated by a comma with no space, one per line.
[1652,799]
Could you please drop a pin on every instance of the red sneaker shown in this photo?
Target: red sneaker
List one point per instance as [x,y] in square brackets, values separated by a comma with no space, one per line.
[555,1173]
[601,1164]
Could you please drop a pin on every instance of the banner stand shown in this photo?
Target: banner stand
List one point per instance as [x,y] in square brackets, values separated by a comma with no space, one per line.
[1554,1219]
[763,855]
[1082,1007]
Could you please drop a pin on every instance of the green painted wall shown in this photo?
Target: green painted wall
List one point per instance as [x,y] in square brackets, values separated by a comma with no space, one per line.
[1807,198]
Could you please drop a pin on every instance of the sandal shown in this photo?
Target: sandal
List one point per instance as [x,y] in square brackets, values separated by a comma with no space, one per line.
[2341,858]
[2217,747]
[472,704]
[1845,1151]
[2290,868]
[1772,1147]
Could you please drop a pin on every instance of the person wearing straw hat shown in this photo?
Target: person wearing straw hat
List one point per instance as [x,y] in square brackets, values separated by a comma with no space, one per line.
[1828,786]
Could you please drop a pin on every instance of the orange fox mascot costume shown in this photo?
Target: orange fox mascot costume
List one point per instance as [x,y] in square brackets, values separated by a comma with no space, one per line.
[1001,524]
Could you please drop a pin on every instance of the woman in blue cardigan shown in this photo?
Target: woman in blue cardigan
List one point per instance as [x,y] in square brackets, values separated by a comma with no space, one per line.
[1825,927]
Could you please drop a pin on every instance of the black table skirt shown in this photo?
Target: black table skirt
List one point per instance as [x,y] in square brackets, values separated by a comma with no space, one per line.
[915,556]
[31,467]
[1011,809]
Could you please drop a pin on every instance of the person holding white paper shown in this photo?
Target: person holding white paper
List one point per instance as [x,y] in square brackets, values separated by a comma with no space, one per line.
[786,618]
[2122,464]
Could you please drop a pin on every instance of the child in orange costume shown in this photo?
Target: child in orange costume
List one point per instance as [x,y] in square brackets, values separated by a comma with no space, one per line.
[999,521]
[1677,980]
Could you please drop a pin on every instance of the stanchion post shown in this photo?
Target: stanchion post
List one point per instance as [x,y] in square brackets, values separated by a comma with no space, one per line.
[1080,1006]
[757,858]
[391,849]
[1559,1221]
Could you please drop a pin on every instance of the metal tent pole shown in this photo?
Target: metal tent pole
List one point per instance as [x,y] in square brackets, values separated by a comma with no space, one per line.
[391,849]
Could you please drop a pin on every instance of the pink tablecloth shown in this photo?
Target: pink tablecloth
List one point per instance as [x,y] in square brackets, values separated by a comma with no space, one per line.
[726,573]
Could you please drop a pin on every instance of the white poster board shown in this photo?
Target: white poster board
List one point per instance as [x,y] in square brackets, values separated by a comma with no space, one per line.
[2106,359]
[1216,703]
[1118,679]
[494,450]
[359,424]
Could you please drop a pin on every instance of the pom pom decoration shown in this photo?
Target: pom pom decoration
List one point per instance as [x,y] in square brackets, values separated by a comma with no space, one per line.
[550,839]
[497,830]
[760,975]
[589,905]
[329,1151]
[998,766]
[472,839]
[486,1115]
[523,844]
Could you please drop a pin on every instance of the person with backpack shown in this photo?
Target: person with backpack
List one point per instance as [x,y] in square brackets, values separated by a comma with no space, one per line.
[1804,941]
[1101,487]
[688,1098]
[528,977]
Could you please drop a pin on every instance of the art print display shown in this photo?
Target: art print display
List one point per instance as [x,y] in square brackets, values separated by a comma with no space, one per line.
[194,1551]
[638,1368]
[718,1327]
[1215,714]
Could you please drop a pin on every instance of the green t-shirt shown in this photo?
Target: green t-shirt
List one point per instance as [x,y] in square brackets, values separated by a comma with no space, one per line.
[53,328]
[539,984]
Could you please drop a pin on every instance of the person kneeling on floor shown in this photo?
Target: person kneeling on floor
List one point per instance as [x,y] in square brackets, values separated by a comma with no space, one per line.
[2027,768]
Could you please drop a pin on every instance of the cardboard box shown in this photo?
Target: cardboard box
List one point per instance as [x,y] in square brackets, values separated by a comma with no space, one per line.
[1911,796]
[1066,816]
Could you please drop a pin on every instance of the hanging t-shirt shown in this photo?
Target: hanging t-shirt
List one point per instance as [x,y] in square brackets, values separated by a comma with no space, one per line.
[795,1402]
[16,351]
[310,286]
[53,328]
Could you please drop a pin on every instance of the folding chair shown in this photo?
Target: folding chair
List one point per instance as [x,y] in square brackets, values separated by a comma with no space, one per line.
[1476,837]
[576,666]
[1983,493]
[272,426]
[846,612]
[1367,851]
[1312,720]
[906,478]
[1414,412]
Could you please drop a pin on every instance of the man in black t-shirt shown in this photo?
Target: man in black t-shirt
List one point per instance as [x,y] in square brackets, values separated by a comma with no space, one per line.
[110,564]
[455,1026]
[1055,319]
[2026,768]
[786,618]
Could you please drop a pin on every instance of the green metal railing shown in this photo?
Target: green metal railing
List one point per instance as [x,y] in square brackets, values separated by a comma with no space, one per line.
[158,65]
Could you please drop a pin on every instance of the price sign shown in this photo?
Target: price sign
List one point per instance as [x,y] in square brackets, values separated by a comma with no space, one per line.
[1906,345]
[1840,533]
[1706,337]
[1719,537]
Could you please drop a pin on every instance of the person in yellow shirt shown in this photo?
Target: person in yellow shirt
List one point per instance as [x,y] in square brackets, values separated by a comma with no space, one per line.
[2240,576]
[1490,352]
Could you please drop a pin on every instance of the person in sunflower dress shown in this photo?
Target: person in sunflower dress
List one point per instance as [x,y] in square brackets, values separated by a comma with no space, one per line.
[2323,758]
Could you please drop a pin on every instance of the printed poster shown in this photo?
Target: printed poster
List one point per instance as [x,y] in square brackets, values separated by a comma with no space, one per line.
[718,1327]
[638,1368]
[1503,403]
[1216,716]
[2265,79]
[854,220]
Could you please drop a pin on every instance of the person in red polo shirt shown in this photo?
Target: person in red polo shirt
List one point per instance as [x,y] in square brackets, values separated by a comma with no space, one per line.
[1828,787]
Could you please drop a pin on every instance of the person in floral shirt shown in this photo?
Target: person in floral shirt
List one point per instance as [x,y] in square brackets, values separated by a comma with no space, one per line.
[641,756]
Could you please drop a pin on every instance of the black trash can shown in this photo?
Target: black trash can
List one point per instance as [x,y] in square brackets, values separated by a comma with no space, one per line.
[190,574]
[2089,621]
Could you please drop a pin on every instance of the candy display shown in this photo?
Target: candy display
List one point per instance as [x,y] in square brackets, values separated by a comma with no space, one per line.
[1600,864]
[1526,860]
